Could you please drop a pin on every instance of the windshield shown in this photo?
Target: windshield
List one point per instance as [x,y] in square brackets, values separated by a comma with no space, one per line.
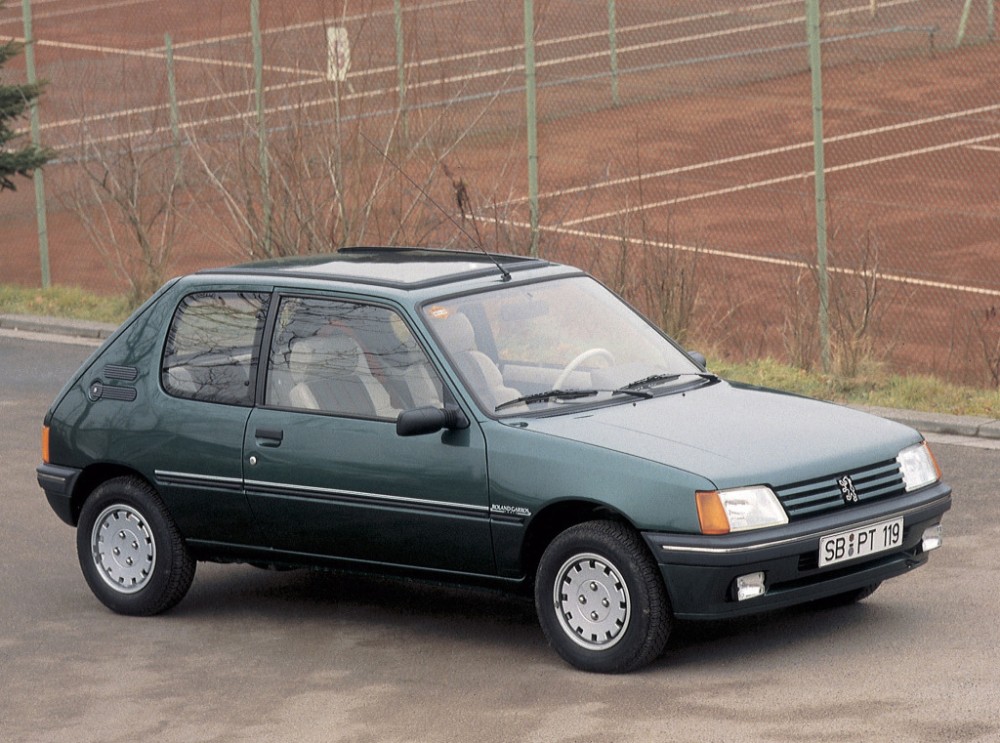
[555,344]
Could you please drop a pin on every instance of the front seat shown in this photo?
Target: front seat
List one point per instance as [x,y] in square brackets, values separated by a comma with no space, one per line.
[478,369]
[332,375]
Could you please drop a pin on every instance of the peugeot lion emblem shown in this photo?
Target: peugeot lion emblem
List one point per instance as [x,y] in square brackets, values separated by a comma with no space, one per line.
[848,490]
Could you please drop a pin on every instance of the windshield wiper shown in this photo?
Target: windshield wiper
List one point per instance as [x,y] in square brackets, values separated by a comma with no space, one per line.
[641,385]
[649,381]
[543,396]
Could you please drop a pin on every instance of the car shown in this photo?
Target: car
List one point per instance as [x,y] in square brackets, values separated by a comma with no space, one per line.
[464,416]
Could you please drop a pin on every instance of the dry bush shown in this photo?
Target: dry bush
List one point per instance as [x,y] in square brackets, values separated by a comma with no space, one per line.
[126,192]
[987,336]
[858,303]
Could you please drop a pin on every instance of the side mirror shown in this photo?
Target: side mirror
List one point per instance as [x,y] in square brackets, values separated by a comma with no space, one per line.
[420,421]
[698,358]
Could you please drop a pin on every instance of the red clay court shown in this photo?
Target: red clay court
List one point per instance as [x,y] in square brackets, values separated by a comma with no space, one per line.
[707,157]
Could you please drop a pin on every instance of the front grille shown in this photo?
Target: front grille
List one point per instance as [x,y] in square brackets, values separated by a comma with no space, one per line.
[823,494]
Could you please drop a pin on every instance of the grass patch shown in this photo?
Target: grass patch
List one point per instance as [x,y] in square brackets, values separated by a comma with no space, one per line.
[63,301]
[873,387]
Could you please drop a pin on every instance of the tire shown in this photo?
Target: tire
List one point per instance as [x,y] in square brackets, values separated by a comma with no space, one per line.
[600,599]
[130,551]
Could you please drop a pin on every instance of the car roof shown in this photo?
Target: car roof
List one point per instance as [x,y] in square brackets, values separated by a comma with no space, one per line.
[399,268]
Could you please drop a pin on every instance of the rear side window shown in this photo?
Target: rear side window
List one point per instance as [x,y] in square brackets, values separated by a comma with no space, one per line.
[211,350]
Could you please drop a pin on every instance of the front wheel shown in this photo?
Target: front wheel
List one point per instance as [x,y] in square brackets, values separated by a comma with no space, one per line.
[600,598]
[130,551]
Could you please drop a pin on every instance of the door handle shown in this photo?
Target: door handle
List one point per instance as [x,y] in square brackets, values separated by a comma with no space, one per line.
[269,436]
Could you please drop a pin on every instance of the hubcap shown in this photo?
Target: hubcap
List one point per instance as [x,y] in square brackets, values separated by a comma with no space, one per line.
[592,601]
[123,548]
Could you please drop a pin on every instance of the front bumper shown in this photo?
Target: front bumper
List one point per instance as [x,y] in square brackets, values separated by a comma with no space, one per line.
[58,482]
[700,571]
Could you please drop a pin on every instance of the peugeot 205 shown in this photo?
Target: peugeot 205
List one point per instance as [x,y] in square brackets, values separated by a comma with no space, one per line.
[470,417]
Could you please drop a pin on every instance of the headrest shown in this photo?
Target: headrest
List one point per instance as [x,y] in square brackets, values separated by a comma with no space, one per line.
[332,354]
[457,333]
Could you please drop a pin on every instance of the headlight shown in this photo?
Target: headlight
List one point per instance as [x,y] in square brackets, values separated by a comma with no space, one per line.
[723,511]
[918,467]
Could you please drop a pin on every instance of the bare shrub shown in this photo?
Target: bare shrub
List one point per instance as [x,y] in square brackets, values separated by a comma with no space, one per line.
[987,335]
[857,305]
[800,326]
[341,167]
[127,194]
[656,274]
[856,309]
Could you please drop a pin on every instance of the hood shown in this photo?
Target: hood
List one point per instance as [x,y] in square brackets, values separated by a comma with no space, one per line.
[737,436]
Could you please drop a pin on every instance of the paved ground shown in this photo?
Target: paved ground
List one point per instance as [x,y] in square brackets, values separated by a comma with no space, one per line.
[250,655]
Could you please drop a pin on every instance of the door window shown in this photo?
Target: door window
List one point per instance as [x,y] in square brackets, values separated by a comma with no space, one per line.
[348,359]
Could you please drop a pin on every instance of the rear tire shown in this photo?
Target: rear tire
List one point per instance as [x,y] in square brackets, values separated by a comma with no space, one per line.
[600,599]
[130,550]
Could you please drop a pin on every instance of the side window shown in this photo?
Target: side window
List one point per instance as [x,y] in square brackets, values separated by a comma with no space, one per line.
[211,350]
[347,359]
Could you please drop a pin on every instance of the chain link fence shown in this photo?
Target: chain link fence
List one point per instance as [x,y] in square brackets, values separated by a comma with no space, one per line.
[667,147]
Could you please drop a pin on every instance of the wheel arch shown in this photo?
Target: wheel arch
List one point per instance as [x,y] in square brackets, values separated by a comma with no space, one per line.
[554,519]
[93,476]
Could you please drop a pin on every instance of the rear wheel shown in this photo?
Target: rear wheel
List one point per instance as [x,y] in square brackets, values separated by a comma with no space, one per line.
[600,598]
[130,551]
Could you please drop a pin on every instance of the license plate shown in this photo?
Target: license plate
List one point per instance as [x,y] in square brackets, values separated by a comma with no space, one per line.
[867,540]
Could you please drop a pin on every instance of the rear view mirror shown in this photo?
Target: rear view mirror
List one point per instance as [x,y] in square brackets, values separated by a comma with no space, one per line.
[420,421]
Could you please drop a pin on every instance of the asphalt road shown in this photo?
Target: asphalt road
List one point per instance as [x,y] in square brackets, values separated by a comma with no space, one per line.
[301,656]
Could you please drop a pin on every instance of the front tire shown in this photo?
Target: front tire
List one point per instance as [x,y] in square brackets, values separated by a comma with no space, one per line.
[600,599]
[130,550]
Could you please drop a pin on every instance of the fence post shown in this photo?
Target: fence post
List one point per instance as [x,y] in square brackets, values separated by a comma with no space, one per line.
[815,64]
[36,140]
[960,36]
[175,117]
[397,7]
[258,70]
[613,44]
[531,114]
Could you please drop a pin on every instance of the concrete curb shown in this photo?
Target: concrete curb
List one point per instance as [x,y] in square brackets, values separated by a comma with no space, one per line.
[941,423]
[57,326]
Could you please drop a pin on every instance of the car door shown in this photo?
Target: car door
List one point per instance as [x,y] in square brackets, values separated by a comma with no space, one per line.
[326,473]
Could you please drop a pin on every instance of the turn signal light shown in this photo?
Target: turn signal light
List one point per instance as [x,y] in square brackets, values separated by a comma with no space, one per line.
[711,513]
[45,444]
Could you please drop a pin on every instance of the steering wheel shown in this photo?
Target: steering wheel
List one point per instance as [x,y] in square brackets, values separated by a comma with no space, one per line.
[572,365]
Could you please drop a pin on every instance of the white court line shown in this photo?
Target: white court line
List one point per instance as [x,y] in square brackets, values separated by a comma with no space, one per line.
[187,125]
[161,55]
[515,47]
[762,153]
[785,179]
[751,258]
[71,11]
[322,24]
[319,77]
[984,148]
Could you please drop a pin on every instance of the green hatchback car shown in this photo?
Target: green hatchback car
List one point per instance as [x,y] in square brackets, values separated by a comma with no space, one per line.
[481,418]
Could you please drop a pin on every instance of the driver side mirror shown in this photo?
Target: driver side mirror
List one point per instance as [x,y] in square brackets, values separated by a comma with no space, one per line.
[698,358]
[420,421]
